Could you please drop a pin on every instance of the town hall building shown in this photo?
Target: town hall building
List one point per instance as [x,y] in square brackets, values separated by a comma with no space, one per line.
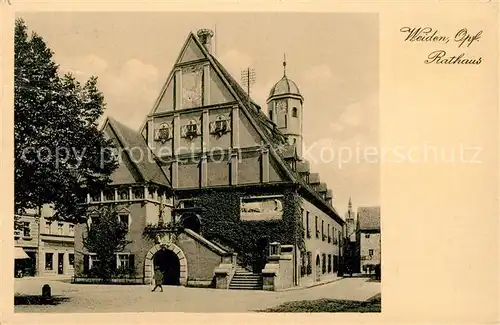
[214,188]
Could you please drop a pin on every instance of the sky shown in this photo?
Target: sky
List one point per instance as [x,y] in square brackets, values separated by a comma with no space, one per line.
[332,57]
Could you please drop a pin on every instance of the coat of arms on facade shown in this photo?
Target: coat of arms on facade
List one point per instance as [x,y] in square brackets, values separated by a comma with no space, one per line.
[190,130]
[163,133]
[220,126]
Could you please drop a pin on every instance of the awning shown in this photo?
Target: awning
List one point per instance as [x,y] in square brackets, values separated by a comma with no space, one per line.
[20,254]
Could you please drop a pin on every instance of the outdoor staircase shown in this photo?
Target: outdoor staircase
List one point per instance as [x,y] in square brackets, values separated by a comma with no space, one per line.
[244,279]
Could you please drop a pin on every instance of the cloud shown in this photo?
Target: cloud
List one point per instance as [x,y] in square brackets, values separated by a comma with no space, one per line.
[83,66]
[234,61]
[129,90]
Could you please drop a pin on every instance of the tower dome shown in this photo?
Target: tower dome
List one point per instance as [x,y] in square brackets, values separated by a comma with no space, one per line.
[284,87]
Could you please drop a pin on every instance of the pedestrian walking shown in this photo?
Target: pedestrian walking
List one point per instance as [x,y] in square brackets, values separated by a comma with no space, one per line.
[158,279]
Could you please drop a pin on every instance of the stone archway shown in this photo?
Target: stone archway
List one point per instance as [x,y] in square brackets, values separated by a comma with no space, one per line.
[191,220]
[148,263]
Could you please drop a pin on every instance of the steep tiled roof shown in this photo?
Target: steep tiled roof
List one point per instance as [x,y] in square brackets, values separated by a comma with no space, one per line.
[314,178]
[277,139]
[303,166]
[147,167]
[264,122]
[369,218]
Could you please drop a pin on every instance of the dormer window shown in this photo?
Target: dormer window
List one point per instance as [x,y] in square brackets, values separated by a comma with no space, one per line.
[294,112]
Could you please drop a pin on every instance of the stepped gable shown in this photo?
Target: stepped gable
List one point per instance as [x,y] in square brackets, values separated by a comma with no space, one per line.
[128,139]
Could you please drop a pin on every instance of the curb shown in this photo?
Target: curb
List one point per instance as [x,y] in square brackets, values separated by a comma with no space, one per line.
[311,285]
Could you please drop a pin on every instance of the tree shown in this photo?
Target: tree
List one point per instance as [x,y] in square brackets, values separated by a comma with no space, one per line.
[60,154]
[105,237]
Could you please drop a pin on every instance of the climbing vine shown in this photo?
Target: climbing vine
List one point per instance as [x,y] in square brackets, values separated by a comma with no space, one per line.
[221,223]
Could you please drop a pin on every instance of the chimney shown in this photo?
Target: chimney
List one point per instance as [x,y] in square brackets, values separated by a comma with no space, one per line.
[205,36]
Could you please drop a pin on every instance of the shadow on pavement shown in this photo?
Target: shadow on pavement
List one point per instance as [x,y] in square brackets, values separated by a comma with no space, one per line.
[20,300]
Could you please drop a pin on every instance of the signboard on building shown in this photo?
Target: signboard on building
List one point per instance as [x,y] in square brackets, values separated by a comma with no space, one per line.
[261,208]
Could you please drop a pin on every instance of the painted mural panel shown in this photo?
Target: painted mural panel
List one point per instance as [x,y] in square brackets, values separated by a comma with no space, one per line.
[191,53]
[219,93]
[261,208]
[192,84]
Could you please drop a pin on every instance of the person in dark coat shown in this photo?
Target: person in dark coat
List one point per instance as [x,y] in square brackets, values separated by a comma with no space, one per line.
[158,279]
[377,272]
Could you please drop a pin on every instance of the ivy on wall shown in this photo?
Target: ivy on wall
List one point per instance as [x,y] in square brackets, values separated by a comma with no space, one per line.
[221,223]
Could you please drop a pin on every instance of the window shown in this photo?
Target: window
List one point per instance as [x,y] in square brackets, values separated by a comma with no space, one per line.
[94,261]
[294,112]
[329,237]
[124,195]
[323,264]
[316,226]
[109,195]
[309,263]
[322,230]
[26,229]
[96,197]
[48,261]
[71,258]
[71,230]
[367,235]
[122,261]
[308,229]
[139,193]
[47,227]
[271,114]
[370,252]
[329,263]
[60,228]
[124,219]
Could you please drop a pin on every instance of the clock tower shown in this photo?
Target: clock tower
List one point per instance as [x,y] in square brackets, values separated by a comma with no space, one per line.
[285,109]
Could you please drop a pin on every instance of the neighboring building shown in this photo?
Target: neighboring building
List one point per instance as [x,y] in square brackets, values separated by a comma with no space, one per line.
[368,238]
[351,254]
[231,176]
[43,247]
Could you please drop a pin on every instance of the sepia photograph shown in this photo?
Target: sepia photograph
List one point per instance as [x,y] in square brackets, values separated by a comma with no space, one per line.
[185,162]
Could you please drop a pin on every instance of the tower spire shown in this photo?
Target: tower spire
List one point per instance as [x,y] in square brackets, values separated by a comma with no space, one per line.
[284,64]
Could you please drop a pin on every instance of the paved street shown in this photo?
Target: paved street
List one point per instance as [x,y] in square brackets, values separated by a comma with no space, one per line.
[87,298]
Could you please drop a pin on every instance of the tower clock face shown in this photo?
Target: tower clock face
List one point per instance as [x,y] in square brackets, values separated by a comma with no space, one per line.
[281,105]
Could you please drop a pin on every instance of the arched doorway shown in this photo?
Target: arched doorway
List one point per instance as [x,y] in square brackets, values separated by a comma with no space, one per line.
[168,263]
[191,220]
[318,267]
[149,262]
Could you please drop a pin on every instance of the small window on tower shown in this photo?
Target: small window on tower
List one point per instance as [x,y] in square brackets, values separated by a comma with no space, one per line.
[294,112]
[271,114]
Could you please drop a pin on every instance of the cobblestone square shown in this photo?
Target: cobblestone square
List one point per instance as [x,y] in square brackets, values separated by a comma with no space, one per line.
[88,298]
